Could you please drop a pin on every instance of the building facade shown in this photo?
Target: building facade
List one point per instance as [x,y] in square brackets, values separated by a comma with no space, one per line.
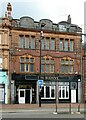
[4,64]
[60,60]
[84,54]
[84,71]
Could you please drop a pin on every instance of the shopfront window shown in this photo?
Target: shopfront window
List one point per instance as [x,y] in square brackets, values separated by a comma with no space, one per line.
[48,92]
[52,91]
[63,92]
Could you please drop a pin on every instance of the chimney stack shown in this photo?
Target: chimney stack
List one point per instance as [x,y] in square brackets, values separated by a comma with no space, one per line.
[69,19]
[9,9]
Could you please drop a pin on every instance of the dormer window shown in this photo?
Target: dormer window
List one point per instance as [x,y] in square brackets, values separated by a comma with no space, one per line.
[62,27]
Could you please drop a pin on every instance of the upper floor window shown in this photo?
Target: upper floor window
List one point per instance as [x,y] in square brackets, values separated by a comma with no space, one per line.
[32,42]
[52,43]
[42,44]
[27,42]
[67,66]
[47,43]
[66,44]
[71,45]
[47,65]
[27,64]
[21,41]
[61,44]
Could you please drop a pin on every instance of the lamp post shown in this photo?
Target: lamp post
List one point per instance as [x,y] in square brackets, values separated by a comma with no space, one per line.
[10,77]
[41,37]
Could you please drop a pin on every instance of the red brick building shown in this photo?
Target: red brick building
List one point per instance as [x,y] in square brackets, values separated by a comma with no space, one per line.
[84,54]
[84,70]
[60,60]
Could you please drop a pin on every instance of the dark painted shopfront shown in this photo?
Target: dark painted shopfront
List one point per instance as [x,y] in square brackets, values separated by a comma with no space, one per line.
[68,88]
[27,89]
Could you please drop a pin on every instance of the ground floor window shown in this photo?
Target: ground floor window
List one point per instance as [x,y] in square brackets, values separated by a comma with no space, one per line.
[63,92]
[48,92]
[2,93]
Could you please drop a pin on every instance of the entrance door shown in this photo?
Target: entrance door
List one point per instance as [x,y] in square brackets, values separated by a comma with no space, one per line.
[73,96]
[28,96]
[21,96]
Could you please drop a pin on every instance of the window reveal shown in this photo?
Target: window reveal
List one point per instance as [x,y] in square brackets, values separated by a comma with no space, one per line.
[63,92]
[26,64]
[67,66]
[27,42]
[47,65]
[66,44]
[48,92]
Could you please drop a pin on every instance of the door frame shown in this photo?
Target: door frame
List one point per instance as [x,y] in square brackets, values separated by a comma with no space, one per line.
[21,100]
[30,94]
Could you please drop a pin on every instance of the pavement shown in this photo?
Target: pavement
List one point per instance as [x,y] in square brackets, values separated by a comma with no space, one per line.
[63,108]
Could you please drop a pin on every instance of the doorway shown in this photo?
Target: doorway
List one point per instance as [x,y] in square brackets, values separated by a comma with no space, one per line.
[25,96]
[21,94]
[73,96]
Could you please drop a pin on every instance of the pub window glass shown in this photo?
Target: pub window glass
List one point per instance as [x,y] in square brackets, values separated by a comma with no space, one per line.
[47,92]
[42,92]
[52,91]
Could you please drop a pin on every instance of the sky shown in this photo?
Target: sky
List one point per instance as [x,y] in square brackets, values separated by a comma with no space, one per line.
[55,10]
